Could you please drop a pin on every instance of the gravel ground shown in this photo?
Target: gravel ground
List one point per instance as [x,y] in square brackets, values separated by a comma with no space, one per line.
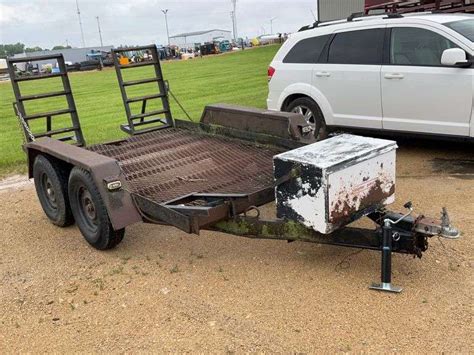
[164,290]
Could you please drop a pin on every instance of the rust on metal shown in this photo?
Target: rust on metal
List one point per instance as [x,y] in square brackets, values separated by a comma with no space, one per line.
[345,208]
[103,169]
[163,165]
[284,125]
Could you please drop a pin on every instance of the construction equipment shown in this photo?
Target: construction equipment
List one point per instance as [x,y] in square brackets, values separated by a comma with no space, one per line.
[216,173]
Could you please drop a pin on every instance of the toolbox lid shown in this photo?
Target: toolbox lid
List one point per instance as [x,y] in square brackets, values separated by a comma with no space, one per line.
[344,148]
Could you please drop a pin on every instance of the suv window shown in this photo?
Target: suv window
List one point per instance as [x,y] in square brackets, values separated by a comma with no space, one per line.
[307,50]
[464,27]
[357,47]
[417,46]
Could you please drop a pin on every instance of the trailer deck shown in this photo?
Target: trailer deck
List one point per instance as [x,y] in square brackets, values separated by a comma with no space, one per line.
[170,163]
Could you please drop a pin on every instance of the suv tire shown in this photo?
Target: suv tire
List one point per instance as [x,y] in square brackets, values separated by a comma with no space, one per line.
[312,114]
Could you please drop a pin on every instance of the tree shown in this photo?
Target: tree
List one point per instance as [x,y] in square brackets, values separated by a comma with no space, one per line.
[7,50]
[60,47]
[34,49]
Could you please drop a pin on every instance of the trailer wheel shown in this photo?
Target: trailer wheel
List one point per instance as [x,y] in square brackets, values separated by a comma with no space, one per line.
[90,212]
[51,188]
[312,114]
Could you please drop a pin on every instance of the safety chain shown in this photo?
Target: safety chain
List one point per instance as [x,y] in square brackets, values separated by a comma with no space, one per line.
[23,124]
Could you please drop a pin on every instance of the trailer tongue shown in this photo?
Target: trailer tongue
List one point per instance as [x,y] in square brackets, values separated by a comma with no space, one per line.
[215,174]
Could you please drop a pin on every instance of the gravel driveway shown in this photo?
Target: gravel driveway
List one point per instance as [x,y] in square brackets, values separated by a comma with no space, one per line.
[164,290]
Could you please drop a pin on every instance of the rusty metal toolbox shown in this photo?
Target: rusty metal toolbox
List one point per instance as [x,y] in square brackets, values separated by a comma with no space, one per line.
[328,184]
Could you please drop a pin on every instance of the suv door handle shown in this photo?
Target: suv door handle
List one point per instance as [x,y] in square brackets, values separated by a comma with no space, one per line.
[394,76]
[323,74]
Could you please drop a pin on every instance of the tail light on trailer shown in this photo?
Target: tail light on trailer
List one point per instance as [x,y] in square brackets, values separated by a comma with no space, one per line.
[270,72]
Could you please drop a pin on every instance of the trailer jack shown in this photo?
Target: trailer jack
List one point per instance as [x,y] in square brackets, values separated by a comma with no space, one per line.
[386,268]
[423,226]
[397,234]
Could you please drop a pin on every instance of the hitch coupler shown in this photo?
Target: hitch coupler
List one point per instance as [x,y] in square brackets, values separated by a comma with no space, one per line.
[435,227]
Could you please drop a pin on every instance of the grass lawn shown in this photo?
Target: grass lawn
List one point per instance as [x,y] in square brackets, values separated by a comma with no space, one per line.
[236,78]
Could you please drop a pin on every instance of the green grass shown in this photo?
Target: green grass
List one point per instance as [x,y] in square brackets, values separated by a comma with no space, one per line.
[236,78]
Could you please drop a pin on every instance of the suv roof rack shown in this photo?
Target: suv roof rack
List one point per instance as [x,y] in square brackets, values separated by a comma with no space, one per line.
[360,16]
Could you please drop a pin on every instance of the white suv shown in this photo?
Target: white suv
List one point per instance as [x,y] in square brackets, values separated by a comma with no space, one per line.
[405,73]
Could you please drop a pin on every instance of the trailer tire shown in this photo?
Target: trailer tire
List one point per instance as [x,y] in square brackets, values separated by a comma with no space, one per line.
[312,113]
[51,187]
[90,211]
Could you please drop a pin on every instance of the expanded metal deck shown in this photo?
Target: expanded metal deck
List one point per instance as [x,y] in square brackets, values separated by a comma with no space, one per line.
[170,163]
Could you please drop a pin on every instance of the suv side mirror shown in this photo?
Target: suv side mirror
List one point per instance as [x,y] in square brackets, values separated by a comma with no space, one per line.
[455,57]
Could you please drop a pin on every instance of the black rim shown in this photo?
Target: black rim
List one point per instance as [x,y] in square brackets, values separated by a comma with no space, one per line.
[87,209]
[49,192]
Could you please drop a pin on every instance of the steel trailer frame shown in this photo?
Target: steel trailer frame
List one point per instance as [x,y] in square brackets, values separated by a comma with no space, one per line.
[222,197]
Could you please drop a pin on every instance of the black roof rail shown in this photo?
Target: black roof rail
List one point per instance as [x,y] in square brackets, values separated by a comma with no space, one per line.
[352,17]
[394,15]
[388,15]
[355,15]
[309,27]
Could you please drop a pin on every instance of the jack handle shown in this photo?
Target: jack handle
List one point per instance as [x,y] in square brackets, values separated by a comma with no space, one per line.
[408,206]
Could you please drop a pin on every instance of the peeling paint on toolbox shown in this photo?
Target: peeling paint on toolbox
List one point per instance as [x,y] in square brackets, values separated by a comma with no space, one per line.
[361,186]
[328,184]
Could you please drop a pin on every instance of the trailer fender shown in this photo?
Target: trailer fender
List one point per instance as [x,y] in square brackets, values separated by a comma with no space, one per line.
[105,171]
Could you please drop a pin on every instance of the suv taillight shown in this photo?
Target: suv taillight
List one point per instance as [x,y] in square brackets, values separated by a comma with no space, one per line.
[270,72]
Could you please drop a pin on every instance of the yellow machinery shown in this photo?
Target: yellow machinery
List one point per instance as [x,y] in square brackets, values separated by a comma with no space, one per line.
[124,60]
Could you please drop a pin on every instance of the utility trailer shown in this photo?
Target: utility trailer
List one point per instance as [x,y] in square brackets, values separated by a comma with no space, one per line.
[215,174]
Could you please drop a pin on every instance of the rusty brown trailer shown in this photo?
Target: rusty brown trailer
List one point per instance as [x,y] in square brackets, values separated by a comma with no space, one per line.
[215,173]
[158,170]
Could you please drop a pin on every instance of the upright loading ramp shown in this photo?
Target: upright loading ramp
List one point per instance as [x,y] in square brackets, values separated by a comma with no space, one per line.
[144,121]
[77,137]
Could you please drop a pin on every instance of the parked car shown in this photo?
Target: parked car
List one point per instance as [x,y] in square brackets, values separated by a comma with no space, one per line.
[411,73]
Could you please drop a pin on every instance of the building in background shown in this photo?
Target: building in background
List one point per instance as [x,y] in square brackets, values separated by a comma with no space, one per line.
[191,39]
[73,55]
[329,10]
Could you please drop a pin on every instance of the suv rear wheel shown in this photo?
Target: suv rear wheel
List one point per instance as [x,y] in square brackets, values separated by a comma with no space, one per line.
[312,114]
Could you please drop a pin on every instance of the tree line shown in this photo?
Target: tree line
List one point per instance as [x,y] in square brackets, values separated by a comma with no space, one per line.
[7,50]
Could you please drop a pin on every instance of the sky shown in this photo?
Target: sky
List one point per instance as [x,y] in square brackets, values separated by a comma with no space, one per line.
[46,23]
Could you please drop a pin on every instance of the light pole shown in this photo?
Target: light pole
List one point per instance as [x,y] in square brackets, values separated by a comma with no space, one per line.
[80,24]
[100,32]
[165,12]
[271,24]
[234,18]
